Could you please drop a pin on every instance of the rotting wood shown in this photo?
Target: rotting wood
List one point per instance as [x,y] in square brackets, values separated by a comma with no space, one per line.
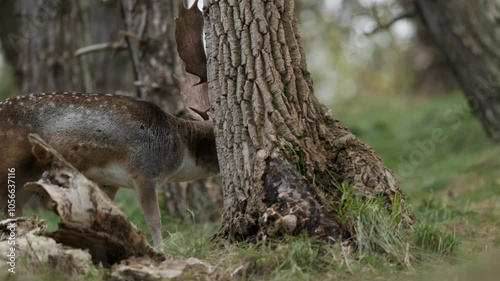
[39,251]
[148,270]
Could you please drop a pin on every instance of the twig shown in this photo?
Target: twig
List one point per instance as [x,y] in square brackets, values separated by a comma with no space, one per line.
[381,26]
[128,34]
[116,46]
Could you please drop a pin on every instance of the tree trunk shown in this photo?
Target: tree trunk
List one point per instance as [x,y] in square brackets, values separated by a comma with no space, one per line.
[51,31]
[9,29]
[467,34]
[151,35]
[150,27]
[112,69]
[278,147]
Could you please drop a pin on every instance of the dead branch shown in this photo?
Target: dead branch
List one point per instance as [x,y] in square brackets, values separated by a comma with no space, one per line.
[107,46]
[385,26]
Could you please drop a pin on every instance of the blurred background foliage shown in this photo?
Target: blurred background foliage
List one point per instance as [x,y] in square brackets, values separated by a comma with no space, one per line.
[348,60]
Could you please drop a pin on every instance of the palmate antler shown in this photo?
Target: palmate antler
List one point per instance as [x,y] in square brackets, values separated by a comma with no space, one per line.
[189,37]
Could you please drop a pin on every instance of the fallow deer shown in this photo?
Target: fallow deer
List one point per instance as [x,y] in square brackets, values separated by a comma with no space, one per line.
[115,141]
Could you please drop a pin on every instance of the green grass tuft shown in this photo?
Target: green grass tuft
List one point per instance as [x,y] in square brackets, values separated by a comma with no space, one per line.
[430,237]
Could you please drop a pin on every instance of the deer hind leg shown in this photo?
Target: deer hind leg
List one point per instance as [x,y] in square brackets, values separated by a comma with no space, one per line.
[14,197]
[24,169]
[148,200]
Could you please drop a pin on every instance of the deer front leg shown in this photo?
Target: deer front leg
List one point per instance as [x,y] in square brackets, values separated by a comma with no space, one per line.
[148,201]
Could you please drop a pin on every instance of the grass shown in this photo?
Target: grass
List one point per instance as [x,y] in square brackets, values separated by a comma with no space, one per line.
[452,183]
[449,173]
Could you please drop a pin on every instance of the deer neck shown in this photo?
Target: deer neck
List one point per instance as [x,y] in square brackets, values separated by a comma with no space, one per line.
[200,155]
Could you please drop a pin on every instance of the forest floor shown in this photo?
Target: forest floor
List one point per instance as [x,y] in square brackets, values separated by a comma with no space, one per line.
[450,174]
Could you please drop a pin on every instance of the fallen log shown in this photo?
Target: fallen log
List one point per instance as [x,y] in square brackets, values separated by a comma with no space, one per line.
[89,220]
[37,251]
[34,253]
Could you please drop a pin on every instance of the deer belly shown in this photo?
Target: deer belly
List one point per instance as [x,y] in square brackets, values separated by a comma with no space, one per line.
[111,175]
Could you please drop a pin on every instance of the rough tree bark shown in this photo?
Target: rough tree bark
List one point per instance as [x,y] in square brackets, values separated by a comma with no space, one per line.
[278,147]
[150,28]
[467,34]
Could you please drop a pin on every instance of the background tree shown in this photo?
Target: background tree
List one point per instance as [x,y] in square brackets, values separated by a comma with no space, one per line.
[467,34]
[50,32]
[10,24]
[432,74]
[150,33]
[112,67]
[57,47]
[279,149]
[413,29]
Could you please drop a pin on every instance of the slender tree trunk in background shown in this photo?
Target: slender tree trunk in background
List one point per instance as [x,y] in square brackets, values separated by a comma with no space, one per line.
[467,33]
[112,70]
[200,201]
[278,147]
[51,30]
[9,28]
[150,27]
